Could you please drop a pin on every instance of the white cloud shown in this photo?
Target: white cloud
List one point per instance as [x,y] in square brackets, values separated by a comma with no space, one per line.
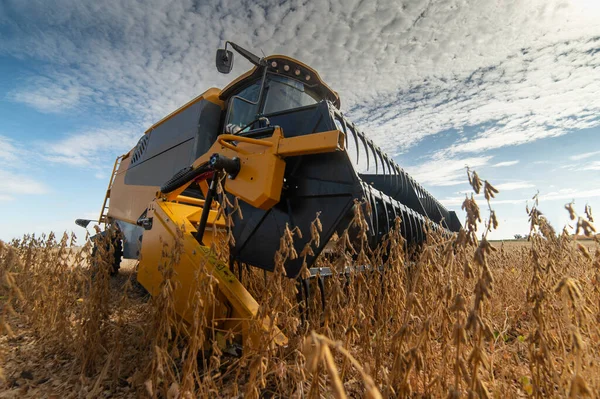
[568,166]
[404,71]
[508,201]
[60,94]
[15,183]
[15,175]
[534,94]
[9,153]
[457,201]
[517,185]
[506,163]
[578,167]
[569,194]
[445,171]
[591,166]
[454,201]
[84,149]
[584,155]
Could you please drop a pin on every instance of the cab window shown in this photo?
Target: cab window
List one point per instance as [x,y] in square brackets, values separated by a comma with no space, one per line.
[279,94]
[244,106]
[284,93]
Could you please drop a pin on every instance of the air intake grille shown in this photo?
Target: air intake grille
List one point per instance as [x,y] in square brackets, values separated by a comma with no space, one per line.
[140,148]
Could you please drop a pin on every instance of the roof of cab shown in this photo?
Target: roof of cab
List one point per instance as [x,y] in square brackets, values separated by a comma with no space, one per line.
[216,96]
[294,64]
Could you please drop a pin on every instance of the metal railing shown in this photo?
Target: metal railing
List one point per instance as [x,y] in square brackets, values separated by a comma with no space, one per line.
[106,204]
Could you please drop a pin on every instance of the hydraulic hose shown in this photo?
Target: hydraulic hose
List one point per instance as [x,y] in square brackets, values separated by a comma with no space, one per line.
[184,176]
[217,162]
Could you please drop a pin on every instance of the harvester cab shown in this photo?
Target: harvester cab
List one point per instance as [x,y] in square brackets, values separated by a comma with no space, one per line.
[276,141]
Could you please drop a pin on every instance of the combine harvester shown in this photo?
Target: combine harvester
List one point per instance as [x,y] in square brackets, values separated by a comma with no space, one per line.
[277,141]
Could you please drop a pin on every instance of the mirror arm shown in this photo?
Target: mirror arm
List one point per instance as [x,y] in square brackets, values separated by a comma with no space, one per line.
[247,54]
[226,44]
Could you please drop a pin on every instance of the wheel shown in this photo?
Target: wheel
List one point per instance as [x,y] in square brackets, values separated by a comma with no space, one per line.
[117,255]
[116,243]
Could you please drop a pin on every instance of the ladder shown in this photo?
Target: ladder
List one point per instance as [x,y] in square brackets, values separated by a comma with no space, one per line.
[104,212]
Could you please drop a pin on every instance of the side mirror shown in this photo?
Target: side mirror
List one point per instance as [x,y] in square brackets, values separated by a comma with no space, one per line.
[224,60]
[82,222]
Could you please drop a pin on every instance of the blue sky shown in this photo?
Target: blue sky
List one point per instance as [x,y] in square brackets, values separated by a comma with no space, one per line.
[510,88]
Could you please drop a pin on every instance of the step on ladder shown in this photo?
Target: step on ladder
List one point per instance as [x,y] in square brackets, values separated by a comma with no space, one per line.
[104,212]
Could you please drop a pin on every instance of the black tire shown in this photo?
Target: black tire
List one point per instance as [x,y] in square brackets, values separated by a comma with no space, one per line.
[118,254]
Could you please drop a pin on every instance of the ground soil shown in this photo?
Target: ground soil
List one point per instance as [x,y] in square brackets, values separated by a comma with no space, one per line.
[31,372]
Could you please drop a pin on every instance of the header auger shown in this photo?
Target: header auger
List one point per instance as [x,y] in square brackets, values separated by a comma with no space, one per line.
[274,139]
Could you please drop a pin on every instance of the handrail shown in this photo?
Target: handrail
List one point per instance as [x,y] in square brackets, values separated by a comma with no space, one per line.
[103,217]
[225,139]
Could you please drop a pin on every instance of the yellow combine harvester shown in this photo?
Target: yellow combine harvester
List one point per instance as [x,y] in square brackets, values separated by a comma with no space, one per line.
[276,140]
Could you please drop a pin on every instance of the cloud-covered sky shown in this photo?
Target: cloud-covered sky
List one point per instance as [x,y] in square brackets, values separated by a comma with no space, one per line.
[510,88]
